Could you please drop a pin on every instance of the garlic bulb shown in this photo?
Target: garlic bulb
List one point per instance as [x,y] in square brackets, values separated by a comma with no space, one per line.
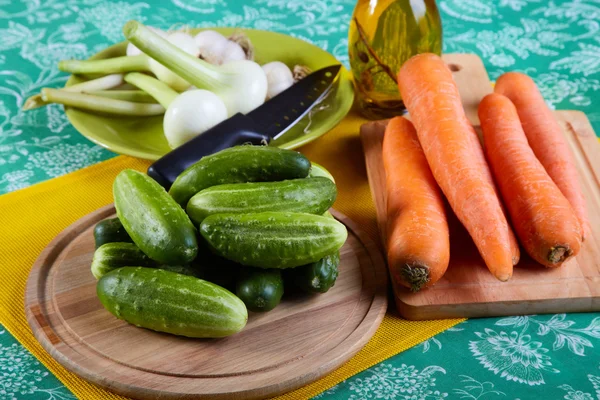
[279,78]
[217,49]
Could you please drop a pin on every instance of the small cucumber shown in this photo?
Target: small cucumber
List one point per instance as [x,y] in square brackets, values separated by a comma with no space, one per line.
[260,289]
[170,302]
[111,256]
[317,170]
[273,239]
[237,165]
[155,222]
[109,231]
[115,255]
[313,196]
[317,277]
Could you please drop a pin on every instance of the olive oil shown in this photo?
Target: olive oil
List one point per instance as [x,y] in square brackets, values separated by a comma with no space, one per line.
[384,34]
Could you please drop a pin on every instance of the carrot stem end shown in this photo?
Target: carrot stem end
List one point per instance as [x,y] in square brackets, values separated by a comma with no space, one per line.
[558,254]
[416,276]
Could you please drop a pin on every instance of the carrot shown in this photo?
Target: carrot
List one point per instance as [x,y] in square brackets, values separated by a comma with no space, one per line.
[479,158]
[418,244]
[432,99]
[545,138]
[542,217]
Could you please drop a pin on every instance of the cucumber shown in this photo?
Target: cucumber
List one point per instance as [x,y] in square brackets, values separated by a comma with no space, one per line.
[169,302]
[155,222]
[260,289]
[109,231]
[328,215]
[111,256]
[115,255]
[317,170]
[182,269]
[237,165]
[313,196]
[273,239]
[317,277]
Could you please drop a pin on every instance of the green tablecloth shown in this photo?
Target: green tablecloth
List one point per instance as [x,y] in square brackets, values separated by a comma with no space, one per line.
[556,42]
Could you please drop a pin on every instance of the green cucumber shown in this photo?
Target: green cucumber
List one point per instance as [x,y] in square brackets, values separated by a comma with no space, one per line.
[182,269]
[109,231]
[111,256]
[273,239]
[115,255]
[317,277]
[317,170]
[237,165]
[260,289]
[169,302]
[155,222]
[313,196]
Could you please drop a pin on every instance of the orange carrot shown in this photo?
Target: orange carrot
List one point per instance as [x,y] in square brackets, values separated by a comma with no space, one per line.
[541,215]
[479,158]
[418,244]
[432,99]
[545,138]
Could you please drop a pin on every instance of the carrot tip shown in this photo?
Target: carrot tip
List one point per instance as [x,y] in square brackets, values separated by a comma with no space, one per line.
[504,277]
[416,276]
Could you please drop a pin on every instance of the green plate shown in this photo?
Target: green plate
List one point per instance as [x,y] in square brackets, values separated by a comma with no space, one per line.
[143,136]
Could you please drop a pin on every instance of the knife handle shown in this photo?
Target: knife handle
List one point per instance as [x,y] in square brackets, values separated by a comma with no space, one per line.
[237,130]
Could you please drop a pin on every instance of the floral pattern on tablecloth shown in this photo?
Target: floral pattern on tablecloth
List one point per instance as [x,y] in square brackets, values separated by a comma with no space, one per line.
[556,42]
[522,357]
[23,377]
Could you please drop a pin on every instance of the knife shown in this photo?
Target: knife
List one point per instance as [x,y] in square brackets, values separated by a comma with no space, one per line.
[265,123]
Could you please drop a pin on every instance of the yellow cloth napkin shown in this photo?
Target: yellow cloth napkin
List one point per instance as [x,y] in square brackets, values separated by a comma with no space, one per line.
[32,217]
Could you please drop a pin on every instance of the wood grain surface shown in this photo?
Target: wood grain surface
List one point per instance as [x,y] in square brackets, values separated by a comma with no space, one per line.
[468,289]
[303,339]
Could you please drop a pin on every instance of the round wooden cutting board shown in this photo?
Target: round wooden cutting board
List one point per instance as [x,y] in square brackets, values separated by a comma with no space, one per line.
[303,339]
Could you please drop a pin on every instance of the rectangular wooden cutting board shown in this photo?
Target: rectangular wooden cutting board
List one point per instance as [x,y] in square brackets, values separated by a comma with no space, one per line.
[468,289]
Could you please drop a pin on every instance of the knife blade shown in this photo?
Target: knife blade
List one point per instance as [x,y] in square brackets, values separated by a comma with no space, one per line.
[265,123]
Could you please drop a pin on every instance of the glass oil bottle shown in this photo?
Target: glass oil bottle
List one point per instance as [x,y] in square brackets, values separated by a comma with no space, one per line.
[384,34]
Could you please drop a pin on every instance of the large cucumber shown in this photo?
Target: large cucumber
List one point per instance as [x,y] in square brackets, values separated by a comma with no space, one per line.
[190,270]
[260,289]
[313,196]
[109,231]
[236,165]
[317,277]
[115,255]
[273,239]
[170,302]
[155,222]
